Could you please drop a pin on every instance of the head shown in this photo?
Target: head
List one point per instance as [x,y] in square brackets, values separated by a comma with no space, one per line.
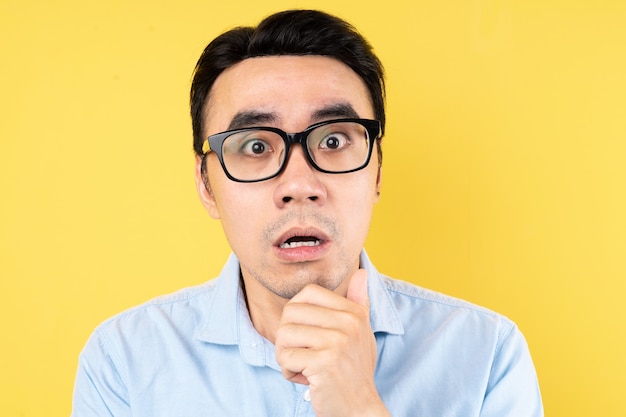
[295,69]
[293,32]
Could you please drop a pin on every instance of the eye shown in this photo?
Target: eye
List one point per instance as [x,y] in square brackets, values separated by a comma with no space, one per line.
[335,140]
[253,143]
[255,147]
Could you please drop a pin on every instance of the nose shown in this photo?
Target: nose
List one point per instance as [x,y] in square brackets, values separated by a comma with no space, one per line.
[299,182]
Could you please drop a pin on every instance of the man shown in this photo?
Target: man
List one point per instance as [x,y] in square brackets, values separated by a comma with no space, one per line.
[299,322]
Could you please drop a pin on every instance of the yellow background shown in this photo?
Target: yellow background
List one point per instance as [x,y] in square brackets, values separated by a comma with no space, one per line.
[504,174]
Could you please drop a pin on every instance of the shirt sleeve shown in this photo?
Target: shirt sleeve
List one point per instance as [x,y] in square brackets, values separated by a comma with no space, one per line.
[513,390]
[99,389]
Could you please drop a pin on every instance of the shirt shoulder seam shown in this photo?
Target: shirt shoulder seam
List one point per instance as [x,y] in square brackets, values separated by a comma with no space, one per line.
[407,289]
[185,294]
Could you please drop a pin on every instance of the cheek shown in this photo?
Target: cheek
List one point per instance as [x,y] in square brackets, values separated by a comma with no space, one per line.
[233,207]
[237,224]
[241,211]
[357,199]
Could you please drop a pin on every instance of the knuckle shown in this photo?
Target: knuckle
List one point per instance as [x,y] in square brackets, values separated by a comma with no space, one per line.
[353,322]
[339,338]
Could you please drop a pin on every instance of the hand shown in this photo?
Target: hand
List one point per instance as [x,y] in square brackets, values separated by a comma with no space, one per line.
[325,341]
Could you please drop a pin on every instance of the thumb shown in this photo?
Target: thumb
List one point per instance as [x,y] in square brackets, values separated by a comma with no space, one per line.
[357,288]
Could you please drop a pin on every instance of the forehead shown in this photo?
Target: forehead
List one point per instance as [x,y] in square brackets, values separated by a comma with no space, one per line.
[290,92]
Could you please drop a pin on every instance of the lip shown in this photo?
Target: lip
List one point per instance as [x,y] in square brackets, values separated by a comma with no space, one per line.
[302,253]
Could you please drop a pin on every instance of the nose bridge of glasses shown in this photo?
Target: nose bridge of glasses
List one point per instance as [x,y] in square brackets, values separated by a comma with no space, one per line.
[296,138]
[299,137]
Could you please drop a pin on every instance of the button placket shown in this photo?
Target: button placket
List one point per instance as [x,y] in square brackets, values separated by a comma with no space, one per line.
[304,407]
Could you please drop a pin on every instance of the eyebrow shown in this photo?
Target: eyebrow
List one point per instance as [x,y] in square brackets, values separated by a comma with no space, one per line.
[336,111]
[248,118]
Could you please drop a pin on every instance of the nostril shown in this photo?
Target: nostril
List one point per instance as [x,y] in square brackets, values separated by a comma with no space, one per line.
[287,199]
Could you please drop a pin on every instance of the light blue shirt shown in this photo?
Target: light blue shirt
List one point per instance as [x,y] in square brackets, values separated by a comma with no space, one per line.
[195,353]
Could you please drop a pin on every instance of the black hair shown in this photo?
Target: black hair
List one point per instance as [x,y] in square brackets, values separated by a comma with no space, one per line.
[291,32]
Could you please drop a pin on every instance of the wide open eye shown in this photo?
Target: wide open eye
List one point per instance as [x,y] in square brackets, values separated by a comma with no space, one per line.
[253,154]
[334,141]
[252,144]
[337,136]
[338,146]
[255,147]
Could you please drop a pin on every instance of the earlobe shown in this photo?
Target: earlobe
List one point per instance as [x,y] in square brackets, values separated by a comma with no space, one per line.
[205,192]
[379,178]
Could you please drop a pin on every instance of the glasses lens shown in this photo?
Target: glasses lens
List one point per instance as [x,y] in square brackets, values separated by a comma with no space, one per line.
[253,154]
[340,146]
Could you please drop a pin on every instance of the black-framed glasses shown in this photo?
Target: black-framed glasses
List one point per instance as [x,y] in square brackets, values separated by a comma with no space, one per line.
[256,154]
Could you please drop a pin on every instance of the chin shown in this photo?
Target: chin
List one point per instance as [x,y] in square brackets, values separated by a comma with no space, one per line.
[290,288]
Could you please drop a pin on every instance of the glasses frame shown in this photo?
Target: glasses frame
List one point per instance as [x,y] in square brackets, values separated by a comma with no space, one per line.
[216,142]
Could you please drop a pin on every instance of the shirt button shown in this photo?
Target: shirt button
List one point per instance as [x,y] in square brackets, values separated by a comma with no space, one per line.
[307,395]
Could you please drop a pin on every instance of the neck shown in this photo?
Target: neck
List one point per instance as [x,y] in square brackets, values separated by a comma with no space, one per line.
[265,308]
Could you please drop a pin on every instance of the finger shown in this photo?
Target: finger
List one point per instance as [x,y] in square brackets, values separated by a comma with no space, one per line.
[294,362]
[310,337]
[315,315]
[357,288]
[317,295]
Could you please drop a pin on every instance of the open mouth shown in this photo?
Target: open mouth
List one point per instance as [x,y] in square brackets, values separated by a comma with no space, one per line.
[299,241]
[302,244]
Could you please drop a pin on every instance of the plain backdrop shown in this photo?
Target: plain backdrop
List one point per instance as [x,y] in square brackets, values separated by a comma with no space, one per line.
[504,175]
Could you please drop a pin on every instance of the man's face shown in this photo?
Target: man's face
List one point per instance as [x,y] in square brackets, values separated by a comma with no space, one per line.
[331,211]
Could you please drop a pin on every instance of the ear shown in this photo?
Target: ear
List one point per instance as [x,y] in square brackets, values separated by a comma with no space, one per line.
[379,180]
[205,192]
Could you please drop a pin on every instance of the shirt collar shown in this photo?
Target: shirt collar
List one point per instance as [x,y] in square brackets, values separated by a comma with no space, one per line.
[384,317]
[221,322]
[227,321]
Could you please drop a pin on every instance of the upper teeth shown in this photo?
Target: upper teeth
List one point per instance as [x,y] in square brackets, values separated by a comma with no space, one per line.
[299,243]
